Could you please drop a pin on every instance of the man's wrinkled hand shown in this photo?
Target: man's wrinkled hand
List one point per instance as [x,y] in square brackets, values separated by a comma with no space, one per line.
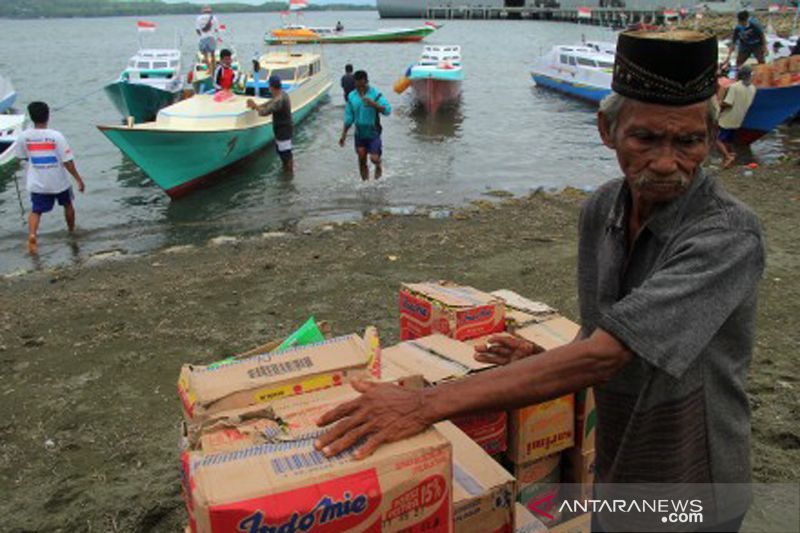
[502,350]
[383,413]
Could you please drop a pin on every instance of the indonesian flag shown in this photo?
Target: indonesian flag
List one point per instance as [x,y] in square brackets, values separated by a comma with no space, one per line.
[774,8]
[296,5]
[223,27]
[143,25]
[584,13]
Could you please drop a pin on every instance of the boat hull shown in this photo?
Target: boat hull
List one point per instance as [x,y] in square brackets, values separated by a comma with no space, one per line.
[433,93]
[181,161]
[411,35]
[6,152]
[772,106]
[141,102]
[588,93]
[7,101]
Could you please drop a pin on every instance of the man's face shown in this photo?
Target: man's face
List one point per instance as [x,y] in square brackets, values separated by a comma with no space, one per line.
[659,148]
[361,85]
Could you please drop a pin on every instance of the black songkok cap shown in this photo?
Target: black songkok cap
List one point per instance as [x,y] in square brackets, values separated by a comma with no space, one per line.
[668,68]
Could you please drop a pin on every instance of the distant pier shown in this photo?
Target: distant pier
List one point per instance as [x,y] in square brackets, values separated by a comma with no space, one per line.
[598,16]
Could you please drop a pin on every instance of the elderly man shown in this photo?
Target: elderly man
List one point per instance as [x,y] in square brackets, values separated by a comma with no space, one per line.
[668,267]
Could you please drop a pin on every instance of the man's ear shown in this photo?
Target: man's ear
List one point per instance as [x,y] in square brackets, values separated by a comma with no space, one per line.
[604,130]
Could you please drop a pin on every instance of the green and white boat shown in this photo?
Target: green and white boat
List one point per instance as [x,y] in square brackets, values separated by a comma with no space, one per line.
[297,33]
[191,141]
[151,82]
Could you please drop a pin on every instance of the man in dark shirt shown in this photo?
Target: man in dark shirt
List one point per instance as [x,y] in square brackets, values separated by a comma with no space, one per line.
[280,107]
[348,81]
[749,38]
[668,269]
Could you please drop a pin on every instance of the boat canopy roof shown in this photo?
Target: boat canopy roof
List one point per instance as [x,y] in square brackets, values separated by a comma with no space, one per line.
[582,56]
[155,59]
[435,55]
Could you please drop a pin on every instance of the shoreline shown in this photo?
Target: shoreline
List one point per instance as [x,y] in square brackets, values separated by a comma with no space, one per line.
[90,355]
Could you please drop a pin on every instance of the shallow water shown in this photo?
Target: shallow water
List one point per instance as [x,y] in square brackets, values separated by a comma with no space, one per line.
[505,134]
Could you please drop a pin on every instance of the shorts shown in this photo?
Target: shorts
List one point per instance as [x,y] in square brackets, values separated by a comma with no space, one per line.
[208,45]
[43,202]
[746,51]
[284,149]
[727,136]
[374,145]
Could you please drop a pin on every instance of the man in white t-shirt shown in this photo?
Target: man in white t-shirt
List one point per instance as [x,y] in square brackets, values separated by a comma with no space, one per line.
[206,28]
[49,159]
[733,109]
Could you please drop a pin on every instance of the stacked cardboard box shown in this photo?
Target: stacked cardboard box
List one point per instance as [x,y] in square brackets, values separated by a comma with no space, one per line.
[441,359]
[250,462]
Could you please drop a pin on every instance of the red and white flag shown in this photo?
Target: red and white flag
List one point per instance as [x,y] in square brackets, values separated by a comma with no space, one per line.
[223,27]
[584,13]
[296,5]
[774,8]
[143,25]
[670,14]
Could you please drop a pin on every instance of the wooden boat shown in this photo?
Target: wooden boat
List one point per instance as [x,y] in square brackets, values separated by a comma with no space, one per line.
[298,33]
[151,81]
[436,78]
[10,129]
[7,95]
[191,141]
[582,71]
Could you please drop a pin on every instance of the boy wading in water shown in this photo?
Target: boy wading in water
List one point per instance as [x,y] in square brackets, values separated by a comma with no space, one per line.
[48,156]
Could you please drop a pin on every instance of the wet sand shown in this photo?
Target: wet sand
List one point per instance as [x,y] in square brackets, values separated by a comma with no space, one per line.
[90,356]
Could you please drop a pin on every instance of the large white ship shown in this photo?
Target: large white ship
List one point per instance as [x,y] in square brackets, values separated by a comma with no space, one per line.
[420,8]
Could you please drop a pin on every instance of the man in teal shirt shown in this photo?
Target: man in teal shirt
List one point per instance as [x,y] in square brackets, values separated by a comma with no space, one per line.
[363,108]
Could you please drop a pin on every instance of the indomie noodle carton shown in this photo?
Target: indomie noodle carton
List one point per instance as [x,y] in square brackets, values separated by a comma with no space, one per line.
[287,486]
[267,377]
[453,310]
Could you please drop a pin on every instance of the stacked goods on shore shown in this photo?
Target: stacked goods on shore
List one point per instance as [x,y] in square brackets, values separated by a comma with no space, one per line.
[722,24]
[248,460]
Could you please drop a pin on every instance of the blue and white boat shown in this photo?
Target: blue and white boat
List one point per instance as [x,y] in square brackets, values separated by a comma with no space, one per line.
[582,71]
[10,129]
[7,95]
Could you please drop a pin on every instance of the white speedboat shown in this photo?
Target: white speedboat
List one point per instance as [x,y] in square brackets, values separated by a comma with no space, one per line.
[7,95]
[436,78]
[151,82]
[10,128]
[579,71]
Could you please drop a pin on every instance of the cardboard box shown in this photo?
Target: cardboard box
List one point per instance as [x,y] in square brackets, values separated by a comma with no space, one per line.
[538,487]
[521,311]
[578,470]
[551,333]
[441,359]
[781,66]
[794,64]
[453,310]
[540,430]
[287,485]
[782,80]
[585,420]
[263,378]
[483,492]
[580,524]
[525,522]
[762,75]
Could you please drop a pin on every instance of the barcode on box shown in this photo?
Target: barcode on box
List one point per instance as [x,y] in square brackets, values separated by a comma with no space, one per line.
[280,368]
[302,461]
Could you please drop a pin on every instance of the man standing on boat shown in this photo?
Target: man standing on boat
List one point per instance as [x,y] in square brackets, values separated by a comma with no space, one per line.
[748,40]
[668,268]
[364,108]
[280,107]
[49,159]
[206,28]
[733,108]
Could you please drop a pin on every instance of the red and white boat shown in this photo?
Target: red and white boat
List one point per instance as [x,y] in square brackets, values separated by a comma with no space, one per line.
[436,78]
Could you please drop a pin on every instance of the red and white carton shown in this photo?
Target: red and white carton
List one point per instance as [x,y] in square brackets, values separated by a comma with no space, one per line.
[287,486]
[456,311]
[441,359]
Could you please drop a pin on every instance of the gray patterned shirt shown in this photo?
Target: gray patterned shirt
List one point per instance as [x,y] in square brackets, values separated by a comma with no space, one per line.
[683,299]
